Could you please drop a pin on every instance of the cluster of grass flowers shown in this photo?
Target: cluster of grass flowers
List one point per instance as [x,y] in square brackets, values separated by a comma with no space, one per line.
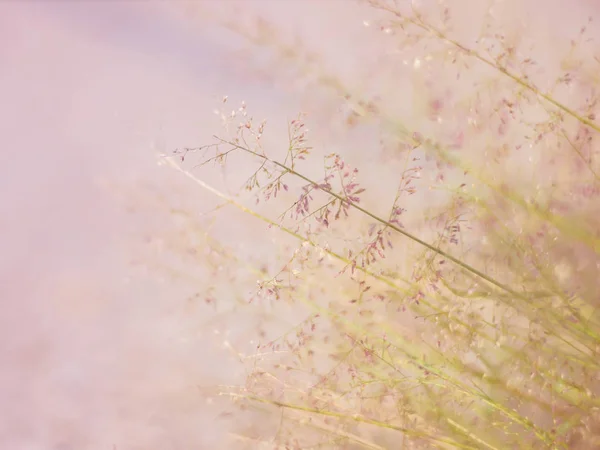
[471,323]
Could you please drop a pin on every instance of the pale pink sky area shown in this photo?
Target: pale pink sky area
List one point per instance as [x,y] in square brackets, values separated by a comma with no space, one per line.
[94,354]
[89,91]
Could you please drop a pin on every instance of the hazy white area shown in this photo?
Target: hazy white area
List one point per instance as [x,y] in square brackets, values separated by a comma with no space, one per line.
[95,355]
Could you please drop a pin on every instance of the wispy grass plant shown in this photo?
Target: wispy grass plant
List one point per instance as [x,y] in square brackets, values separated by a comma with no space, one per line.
[464,312]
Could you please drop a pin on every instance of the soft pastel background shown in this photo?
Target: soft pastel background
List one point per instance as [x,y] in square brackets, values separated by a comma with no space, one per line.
[95,354]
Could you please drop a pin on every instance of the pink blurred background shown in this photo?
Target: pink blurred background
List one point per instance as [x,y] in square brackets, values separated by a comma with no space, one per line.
[93,356]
